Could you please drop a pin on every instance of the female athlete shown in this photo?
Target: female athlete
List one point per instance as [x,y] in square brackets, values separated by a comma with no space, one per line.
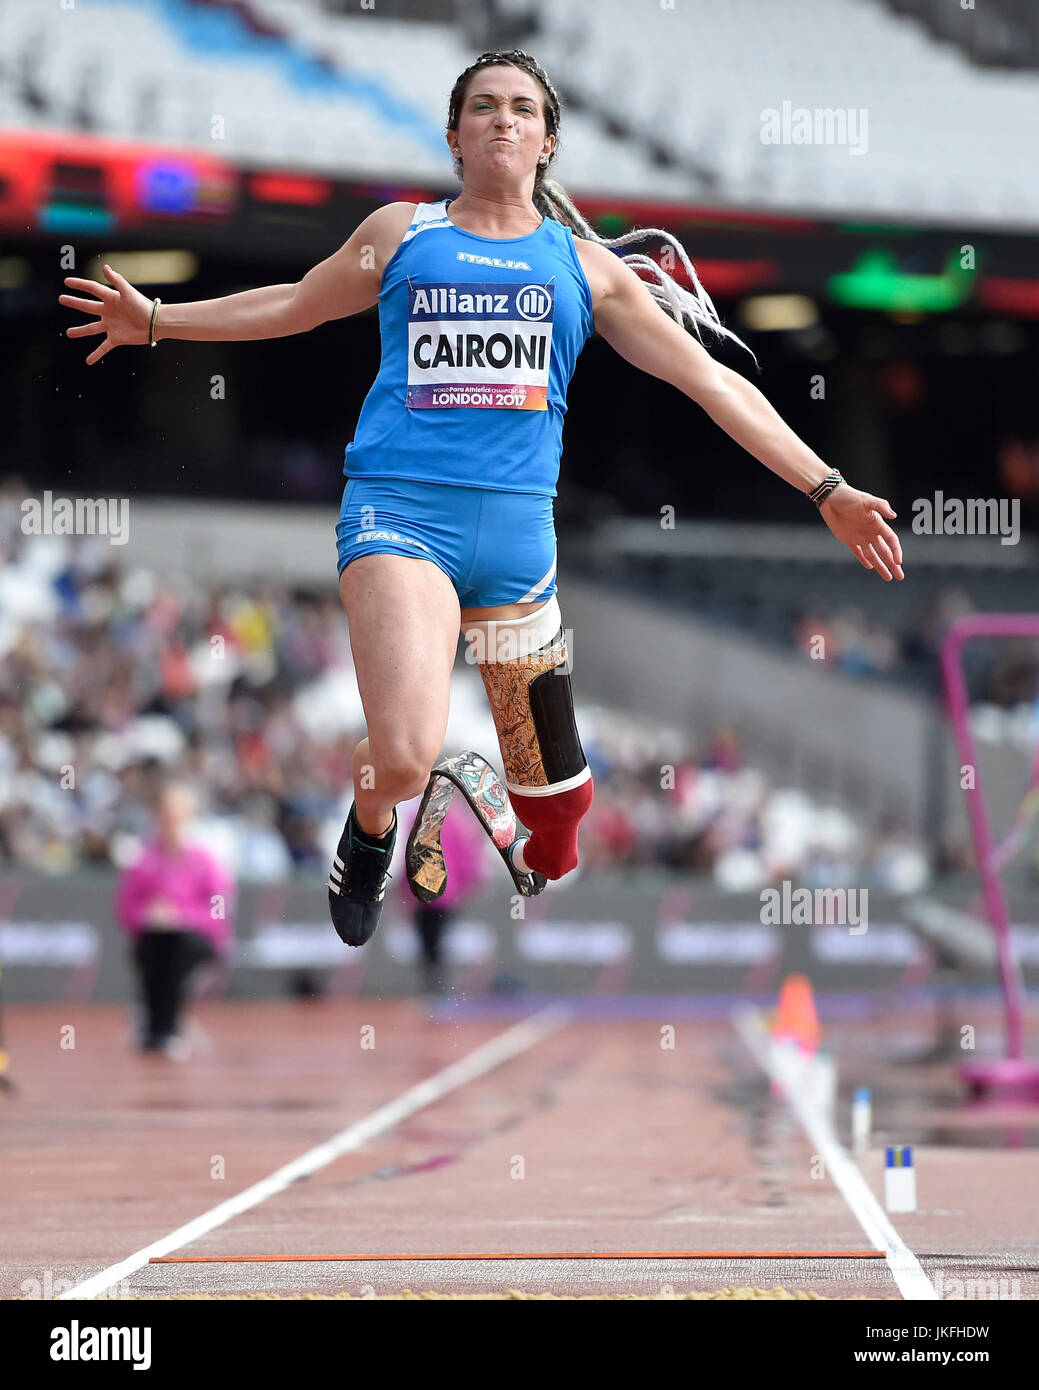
[485,301]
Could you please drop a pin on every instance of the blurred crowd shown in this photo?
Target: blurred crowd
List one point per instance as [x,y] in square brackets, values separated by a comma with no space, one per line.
[849,641]
[710,813]
[860,645]
[113,678]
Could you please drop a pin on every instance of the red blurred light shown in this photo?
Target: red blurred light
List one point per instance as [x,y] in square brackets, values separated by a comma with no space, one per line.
[1009,296]
[290,188]
[726,278]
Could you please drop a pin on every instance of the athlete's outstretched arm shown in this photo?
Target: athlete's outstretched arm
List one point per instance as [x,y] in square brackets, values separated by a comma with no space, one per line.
[344,284]
[631,321]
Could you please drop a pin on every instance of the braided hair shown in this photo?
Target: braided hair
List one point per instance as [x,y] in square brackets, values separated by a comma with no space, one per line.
[692,310]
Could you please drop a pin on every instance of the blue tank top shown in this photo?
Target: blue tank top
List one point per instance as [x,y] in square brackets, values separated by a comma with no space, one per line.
[480,337]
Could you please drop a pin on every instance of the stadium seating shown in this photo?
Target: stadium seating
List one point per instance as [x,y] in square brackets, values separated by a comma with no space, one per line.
[771,598]
[348,95]
[944,137]
[365,94]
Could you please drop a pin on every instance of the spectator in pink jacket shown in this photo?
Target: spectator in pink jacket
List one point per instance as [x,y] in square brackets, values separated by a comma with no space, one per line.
[465,846]
[175,903]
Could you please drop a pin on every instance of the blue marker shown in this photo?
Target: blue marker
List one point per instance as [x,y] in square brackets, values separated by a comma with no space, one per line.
[861,1119]
[899,1178]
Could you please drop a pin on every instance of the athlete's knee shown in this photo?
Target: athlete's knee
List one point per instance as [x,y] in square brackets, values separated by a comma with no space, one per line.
[525,667]
[399,770]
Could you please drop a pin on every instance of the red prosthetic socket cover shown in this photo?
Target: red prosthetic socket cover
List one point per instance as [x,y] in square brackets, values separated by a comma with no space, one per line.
[552,822]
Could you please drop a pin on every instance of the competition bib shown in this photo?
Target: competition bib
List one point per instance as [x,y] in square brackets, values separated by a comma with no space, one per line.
[479,345]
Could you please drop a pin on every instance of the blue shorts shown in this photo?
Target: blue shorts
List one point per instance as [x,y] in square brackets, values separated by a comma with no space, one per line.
[496,547]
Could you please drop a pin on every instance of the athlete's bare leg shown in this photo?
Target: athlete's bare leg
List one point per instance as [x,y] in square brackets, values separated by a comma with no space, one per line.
[404,621]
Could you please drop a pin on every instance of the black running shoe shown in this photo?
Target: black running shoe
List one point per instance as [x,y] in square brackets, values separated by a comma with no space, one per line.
[357,882]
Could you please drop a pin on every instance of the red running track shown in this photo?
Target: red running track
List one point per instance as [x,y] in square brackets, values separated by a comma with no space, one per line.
[593,1139]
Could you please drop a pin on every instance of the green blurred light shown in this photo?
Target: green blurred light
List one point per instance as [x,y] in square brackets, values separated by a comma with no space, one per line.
[875,282]
[876,229]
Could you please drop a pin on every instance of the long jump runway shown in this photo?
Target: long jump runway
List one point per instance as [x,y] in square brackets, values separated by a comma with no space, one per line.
[359,1127]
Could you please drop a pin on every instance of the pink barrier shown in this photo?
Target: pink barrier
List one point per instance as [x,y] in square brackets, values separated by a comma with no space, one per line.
[1015,1069]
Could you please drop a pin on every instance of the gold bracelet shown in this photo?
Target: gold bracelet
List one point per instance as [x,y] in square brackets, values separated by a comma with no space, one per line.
[151,328]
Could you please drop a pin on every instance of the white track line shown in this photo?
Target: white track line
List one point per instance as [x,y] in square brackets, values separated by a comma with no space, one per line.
[492,1054]
[905,1268]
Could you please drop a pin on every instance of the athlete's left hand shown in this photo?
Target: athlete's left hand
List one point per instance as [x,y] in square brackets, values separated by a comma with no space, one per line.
[857,520]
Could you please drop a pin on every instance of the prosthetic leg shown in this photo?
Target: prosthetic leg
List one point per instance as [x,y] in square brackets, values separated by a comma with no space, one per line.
[525,670]
[485,792]
[548,784]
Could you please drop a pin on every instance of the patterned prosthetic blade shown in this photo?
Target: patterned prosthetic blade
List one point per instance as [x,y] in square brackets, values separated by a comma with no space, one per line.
[487,795]
[485,791]
[423,856]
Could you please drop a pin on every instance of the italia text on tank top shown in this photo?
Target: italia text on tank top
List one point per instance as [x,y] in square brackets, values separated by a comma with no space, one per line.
[480,337]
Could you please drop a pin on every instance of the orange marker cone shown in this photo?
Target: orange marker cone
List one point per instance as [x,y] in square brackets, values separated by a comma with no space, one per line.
[795,1015]
[6,1084]
[796,1023]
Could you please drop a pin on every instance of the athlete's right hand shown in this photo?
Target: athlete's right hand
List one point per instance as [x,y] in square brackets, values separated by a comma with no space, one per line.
[125,314]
